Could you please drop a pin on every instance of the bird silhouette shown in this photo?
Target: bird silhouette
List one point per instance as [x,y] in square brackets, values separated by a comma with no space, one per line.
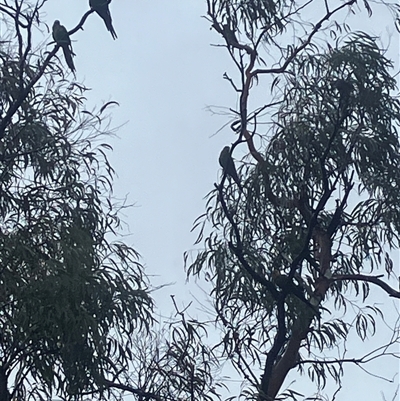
[61,37]
[228,165]
[102,9]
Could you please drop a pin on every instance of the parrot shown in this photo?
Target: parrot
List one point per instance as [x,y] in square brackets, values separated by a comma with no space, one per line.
[61,37]
[228,165]
[230,35]
[345,89]
[101,8]
[289,287]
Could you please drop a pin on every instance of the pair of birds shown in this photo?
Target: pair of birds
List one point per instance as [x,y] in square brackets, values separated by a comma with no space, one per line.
[61,37]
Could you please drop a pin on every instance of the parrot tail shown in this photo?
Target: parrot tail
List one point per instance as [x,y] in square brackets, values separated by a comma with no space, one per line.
[113,33]
[110,28]
[68,58]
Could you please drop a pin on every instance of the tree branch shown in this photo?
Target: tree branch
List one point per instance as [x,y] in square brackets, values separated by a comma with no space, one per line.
[370,279]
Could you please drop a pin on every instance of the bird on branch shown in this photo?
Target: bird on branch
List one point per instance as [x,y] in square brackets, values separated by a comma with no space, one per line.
[230,36]
[345,88]
[61,37]
[287,286]
[102,9]
[228,165]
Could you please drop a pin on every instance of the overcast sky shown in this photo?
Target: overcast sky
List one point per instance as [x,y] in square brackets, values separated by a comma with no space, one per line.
[164,73]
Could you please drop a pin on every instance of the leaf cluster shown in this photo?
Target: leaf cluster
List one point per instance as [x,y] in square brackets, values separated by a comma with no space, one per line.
[71,295]
[330,172]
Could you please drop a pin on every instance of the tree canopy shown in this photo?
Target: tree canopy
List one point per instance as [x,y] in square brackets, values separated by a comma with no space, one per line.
[306,222]
[72,294]
[318,217]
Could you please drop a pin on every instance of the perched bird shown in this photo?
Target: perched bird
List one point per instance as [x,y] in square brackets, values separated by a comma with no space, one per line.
[228,165]
[229,35]
[101,8]
[61,37]
[289,287]
[345,89]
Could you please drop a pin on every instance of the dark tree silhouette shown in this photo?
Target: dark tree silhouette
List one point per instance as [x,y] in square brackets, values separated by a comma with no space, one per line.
[318,217]
[71,294]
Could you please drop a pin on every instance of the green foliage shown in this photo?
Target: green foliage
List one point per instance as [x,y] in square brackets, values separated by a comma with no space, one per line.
[175,363]
[318,213]
[316,146]
[322,146]
[249,15]
[71,294]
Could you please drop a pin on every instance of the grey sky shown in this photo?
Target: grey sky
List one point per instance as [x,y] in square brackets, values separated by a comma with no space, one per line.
[164,73]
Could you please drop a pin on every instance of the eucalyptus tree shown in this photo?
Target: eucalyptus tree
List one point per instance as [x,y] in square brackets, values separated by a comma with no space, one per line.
[72,295]
[316,217]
